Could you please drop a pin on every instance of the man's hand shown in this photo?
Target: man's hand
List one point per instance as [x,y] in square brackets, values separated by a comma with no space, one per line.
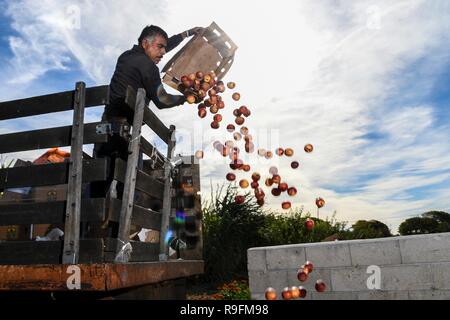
[192,32]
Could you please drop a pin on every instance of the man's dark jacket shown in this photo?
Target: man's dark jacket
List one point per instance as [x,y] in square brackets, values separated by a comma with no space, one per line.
[136,69]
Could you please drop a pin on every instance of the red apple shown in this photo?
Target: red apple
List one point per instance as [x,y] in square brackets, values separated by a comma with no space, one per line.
[292,192]
[309,266]
[320,202]
[303,292]
[271,294]
[320,286]
[231,177]
[231,128]
[309,224]
[295,292]
[309,148]
[239,199]
[286,294]
[302,276]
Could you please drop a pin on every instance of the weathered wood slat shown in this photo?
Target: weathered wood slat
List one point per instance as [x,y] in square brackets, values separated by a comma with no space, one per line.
[51,174]
[167,201]
[150,118]
[47,138]
[143,217]
[73,205]
[142,251]
[92,210]
[144,182]
[152,152]
[63,101]
[130,174]
[47,252]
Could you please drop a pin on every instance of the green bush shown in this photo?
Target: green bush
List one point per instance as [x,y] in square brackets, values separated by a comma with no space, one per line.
[230,229]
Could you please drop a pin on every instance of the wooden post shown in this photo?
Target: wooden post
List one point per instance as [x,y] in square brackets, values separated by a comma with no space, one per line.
[73,207]
[130,178]
[167,198]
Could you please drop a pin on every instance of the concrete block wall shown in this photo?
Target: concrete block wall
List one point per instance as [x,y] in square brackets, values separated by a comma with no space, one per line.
[411,267]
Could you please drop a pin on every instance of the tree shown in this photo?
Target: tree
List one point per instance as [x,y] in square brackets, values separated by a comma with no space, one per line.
[363,229]
[418,225]
[429,222]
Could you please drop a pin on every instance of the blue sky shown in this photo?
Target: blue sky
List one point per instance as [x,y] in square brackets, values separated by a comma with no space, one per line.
[367,82]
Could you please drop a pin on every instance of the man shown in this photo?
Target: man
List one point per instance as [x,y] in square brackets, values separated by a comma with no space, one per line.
[137,68]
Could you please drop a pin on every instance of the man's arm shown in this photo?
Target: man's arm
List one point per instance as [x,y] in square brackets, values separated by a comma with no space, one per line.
[175,40]
[156,92]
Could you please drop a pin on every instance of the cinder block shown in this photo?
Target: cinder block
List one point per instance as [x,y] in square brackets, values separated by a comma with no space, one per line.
[375,253]
[383,295]
[258,296]
[256,260]
[329,255]
[429,295]
[334,296]
[425,248]
[407,277]
[349,279]
[258,281]
[285,257]
[278,280]
[309,285]
[441,275]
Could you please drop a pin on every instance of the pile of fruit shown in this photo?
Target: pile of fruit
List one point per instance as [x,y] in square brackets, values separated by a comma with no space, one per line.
[205,90]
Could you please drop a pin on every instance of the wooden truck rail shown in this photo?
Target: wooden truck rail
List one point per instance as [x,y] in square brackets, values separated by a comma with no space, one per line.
[96,229]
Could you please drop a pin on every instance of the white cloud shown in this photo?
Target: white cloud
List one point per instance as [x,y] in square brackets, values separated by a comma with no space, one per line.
[318,72]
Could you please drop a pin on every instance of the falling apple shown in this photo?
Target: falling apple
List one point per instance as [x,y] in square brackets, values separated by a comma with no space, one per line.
[303,292]
[199,154]
[289,152]
[320,286]
[320,202]
[286,294]
[292,192]
[239,199]
[231,85]
[309,266]
[231,177]
[243,184]
[236,96]
[309,148]
[271,294]
[286,205]
[302,276]
[295,292]
[309,224]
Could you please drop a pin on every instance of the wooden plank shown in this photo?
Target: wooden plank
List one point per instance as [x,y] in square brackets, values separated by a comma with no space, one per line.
[167,201]
[73,206]
[92,210]
[130,177]
[144,182]
[47,138]
[141,216]
[47,252]
[51,174]
[150,118]
[95,277]
[152,152]
[142,251]
[56,102]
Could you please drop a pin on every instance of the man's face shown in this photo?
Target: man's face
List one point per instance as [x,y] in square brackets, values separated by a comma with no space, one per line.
[155,50]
